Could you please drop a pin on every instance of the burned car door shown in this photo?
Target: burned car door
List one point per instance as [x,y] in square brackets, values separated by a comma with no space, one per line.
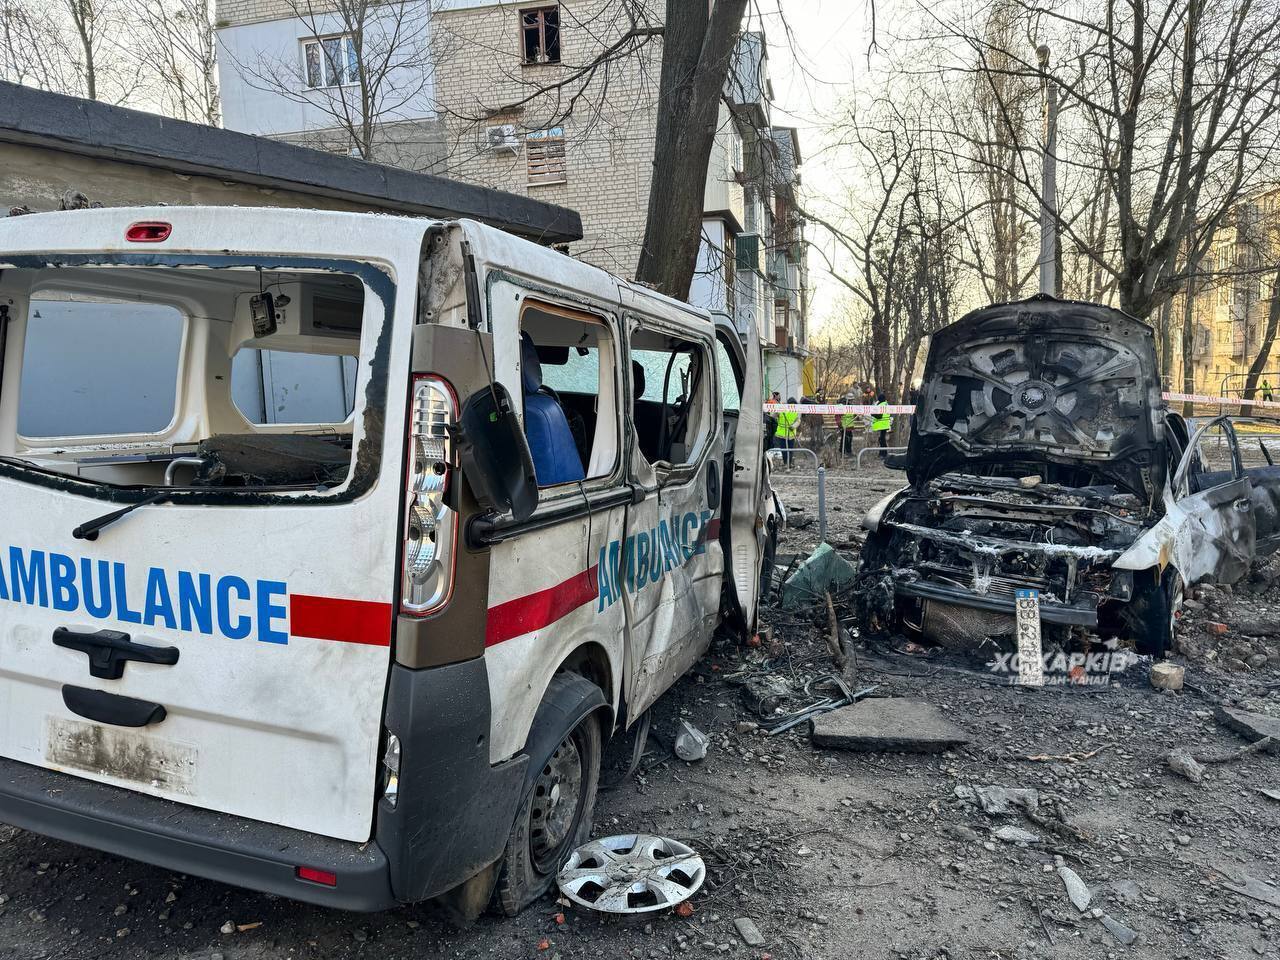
[1208,531]
[1264,478]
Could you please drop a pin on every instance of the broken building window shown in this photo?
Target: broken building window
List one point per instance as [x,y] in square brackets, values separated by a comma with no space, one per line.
[545,156]
[330,61]
[540,34]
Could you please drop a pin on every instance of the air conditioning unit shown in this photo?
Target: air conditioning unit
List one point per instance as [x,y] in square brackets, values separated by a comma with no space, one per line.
[503,137]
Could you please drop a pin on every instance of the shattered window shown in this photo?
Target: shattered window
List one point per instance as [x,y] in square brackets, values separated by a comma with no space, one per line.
[540,34]
[191,376]
[672,411]
[573,389]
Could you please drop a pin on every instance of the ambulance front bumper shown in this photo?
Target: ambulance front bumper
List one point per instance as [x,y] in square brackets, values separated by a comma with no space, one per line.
[235,850]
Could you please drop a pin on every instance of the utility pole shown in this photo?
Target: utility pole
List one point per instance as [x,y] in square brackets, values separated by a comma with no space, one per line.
[1048,179]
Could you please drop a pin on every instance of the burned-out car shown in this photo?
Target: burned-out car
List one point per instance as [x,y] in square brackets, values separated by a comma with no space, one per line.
[1042,457]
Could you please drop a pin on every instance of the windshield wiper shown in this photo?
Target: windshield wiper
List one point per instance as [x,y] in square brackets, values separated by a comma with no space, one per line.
[89,531]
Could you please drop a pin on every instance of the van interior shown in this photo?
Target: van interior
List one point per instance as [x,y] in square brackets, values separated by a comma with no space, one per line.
[181,376]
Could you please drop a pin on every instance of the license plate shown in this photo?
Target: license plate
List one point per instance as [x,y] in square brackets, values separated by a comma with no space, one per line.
[1027,626]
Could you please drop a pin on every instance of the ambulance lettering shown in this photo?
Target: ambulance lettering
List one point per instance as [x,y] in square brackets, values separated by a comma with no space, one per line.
[229,606]
[646,557]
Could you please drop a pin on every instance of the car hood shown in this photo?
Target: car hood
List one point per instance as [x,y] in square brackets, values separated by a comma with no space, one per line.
[1042,380]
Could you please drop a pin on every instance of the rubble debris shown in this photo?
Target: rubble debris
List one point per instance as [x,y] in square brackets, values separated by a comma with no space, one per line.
[1074,756]
[691,743]
[632,873]
[822,570]
[1181,762]
[894,724]
[1266,743]
[1255,726]
[749,932]
[1253,888]
[1077,889]
[822,706]
[1011,834]
[1001,801]
[1167,676]
[766,694]
[1123,934]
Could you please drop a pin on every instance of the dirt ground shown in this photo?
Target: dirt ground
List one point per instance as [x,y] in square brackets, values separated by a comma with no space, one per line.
[833,854]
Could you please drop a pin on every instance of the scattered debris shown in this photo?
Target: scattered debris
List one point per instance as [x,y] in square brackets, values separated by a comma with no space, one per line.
[1181,762]
[1118,930]
[1077,890]
[888,724]
[749,932]
[823,570]
[1074,757]
[691,743]
[1167,676]
[632,873]
[1010,834]
[1255,726]
[1254,889]
[1266,743]
[1001,801]
[228,927]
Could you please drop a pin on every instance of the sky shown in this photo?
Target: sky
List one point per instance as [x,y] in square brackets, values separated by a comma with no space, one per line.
[817,53]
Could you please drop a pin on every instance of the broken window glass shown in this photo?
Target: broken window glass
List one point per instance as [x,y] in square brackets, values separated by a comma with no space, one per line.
[540,34]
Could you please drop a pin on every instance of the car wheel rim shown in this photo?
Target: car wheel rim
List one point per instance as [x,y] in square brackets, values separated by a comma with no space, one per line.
[553,811]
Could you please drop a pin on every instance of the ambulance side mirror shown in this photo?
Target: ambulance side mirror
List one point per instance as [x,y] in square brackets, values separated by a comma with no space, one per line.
[495,454]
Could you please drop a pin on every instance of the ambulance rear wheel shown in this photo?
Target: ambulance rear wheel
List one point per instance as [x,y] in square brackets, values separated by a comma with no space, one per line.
[554,819]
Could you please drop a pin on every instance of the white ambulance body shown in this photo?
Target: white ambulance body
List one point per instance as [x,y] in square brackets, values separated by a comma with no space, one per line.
[335,545]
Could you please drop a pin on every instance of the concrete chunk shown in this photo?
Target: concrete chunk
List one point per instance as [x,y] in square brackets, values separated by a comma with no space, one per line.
[1254,726]
[892,724]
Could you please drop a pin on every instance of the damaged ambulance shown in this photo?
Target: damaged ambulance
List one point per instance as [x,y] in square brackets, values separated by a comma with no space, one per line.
[1042,457]
[331,571]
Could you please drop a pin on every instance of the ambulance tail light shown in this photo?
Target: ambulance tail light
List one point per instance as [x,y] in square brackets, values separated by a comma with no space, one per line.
[430,526]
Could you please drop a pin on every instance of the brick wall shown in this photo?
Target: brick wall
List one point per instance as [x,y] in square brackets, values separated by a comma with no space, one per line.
[231,13]
[608,140]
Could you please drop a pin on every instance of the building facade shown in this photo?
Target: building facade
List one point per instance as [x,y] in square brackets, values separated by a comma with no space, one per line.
[557,101]
[1230,306]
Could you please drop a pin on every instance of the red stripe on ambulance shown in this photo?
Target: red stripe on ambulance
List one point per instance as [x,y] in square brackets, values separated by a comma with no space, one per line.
[537,610]
[347,621]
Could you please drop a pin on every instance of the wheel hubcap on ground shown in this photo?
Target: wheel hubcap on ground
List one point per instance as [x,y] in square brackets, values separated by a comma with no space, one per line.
[631,874]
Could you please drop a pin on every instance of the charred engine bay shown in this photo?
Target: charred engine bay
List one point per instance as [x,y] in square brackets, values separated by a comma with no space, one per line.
[946,558]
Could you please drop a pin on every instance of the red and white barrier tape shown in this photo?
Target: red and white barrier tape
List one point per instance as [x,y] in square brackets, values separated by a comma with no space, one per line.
[827,409]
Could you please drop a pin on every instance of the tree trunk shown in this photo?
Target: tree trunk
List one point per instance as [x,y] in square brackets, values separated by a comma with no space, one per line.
[1259,365]
[696,55]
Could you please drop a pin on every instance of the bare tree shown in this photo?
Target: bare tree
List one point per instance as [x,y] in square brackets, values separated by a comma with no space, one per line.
[80,47]
[1171,106]
[697,51]
[898,238]
[175,40]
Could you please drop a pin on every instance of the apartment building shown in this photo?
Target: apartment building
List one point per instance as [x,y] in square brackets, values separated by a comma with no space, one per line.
[1230,305]
[557,101]
[289,69]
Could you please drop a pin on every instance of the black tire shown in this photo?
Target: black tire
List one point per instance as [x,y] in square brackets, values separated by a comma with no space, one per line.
[1153,611]
[534,852]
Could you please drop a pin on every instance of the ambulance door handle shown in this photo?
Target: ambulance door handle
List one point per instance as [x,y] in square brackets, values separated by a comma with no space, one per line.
[109,650]
[111,707]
